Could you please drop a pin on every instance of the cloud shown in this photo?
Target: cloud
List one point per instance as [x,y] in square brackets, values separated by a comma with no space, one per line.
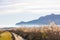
[29,9]
[30,6]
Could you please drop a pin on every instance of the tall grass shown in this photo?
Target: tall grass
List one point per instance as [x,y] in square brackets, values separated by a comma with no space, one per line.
[50,32]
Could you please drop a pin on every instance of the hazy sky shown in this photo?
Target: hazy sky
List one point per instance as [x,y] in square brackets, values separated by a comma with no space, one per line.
[12,11]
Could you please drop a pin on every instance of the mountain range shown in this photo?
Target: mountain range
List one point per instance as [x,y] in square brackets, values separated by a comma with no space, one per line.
[45,20]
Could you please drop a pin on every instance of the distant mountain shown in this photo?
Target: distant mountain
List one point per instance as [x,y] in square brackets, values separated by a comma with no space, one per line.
[43,20]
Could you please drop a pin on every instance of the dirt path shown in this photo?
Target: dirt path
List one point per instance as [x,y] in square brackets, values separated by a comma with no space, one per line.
[17,37]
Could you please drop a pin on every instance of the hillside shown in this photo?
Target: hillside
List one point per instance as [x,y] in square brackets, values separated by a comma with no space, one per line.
[43,20]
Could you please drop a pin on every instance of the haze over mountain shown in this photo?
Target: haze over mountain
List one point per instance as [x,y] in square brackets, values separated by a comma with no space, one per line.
[15,11]
[43,20]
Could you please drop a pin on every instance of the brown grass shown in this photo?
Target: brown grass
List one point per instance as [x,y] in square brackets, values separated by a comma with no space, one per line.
[50,32]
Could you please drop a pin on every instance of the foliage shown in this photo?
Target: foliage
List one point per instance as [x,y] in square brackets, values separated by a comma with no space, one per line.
[5,36]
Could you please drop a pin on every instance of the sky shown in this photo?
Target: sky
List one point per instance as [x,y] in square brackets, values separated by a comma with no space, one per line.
[13,11]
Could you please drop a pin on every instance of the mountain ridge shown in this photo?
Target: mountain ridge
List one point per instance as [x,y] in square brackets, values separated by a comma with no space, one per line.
[43,20]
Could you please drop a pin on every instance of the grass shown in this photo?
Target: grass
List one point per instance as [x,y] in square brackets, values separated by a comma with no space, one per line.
[5,36]
[50,32]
